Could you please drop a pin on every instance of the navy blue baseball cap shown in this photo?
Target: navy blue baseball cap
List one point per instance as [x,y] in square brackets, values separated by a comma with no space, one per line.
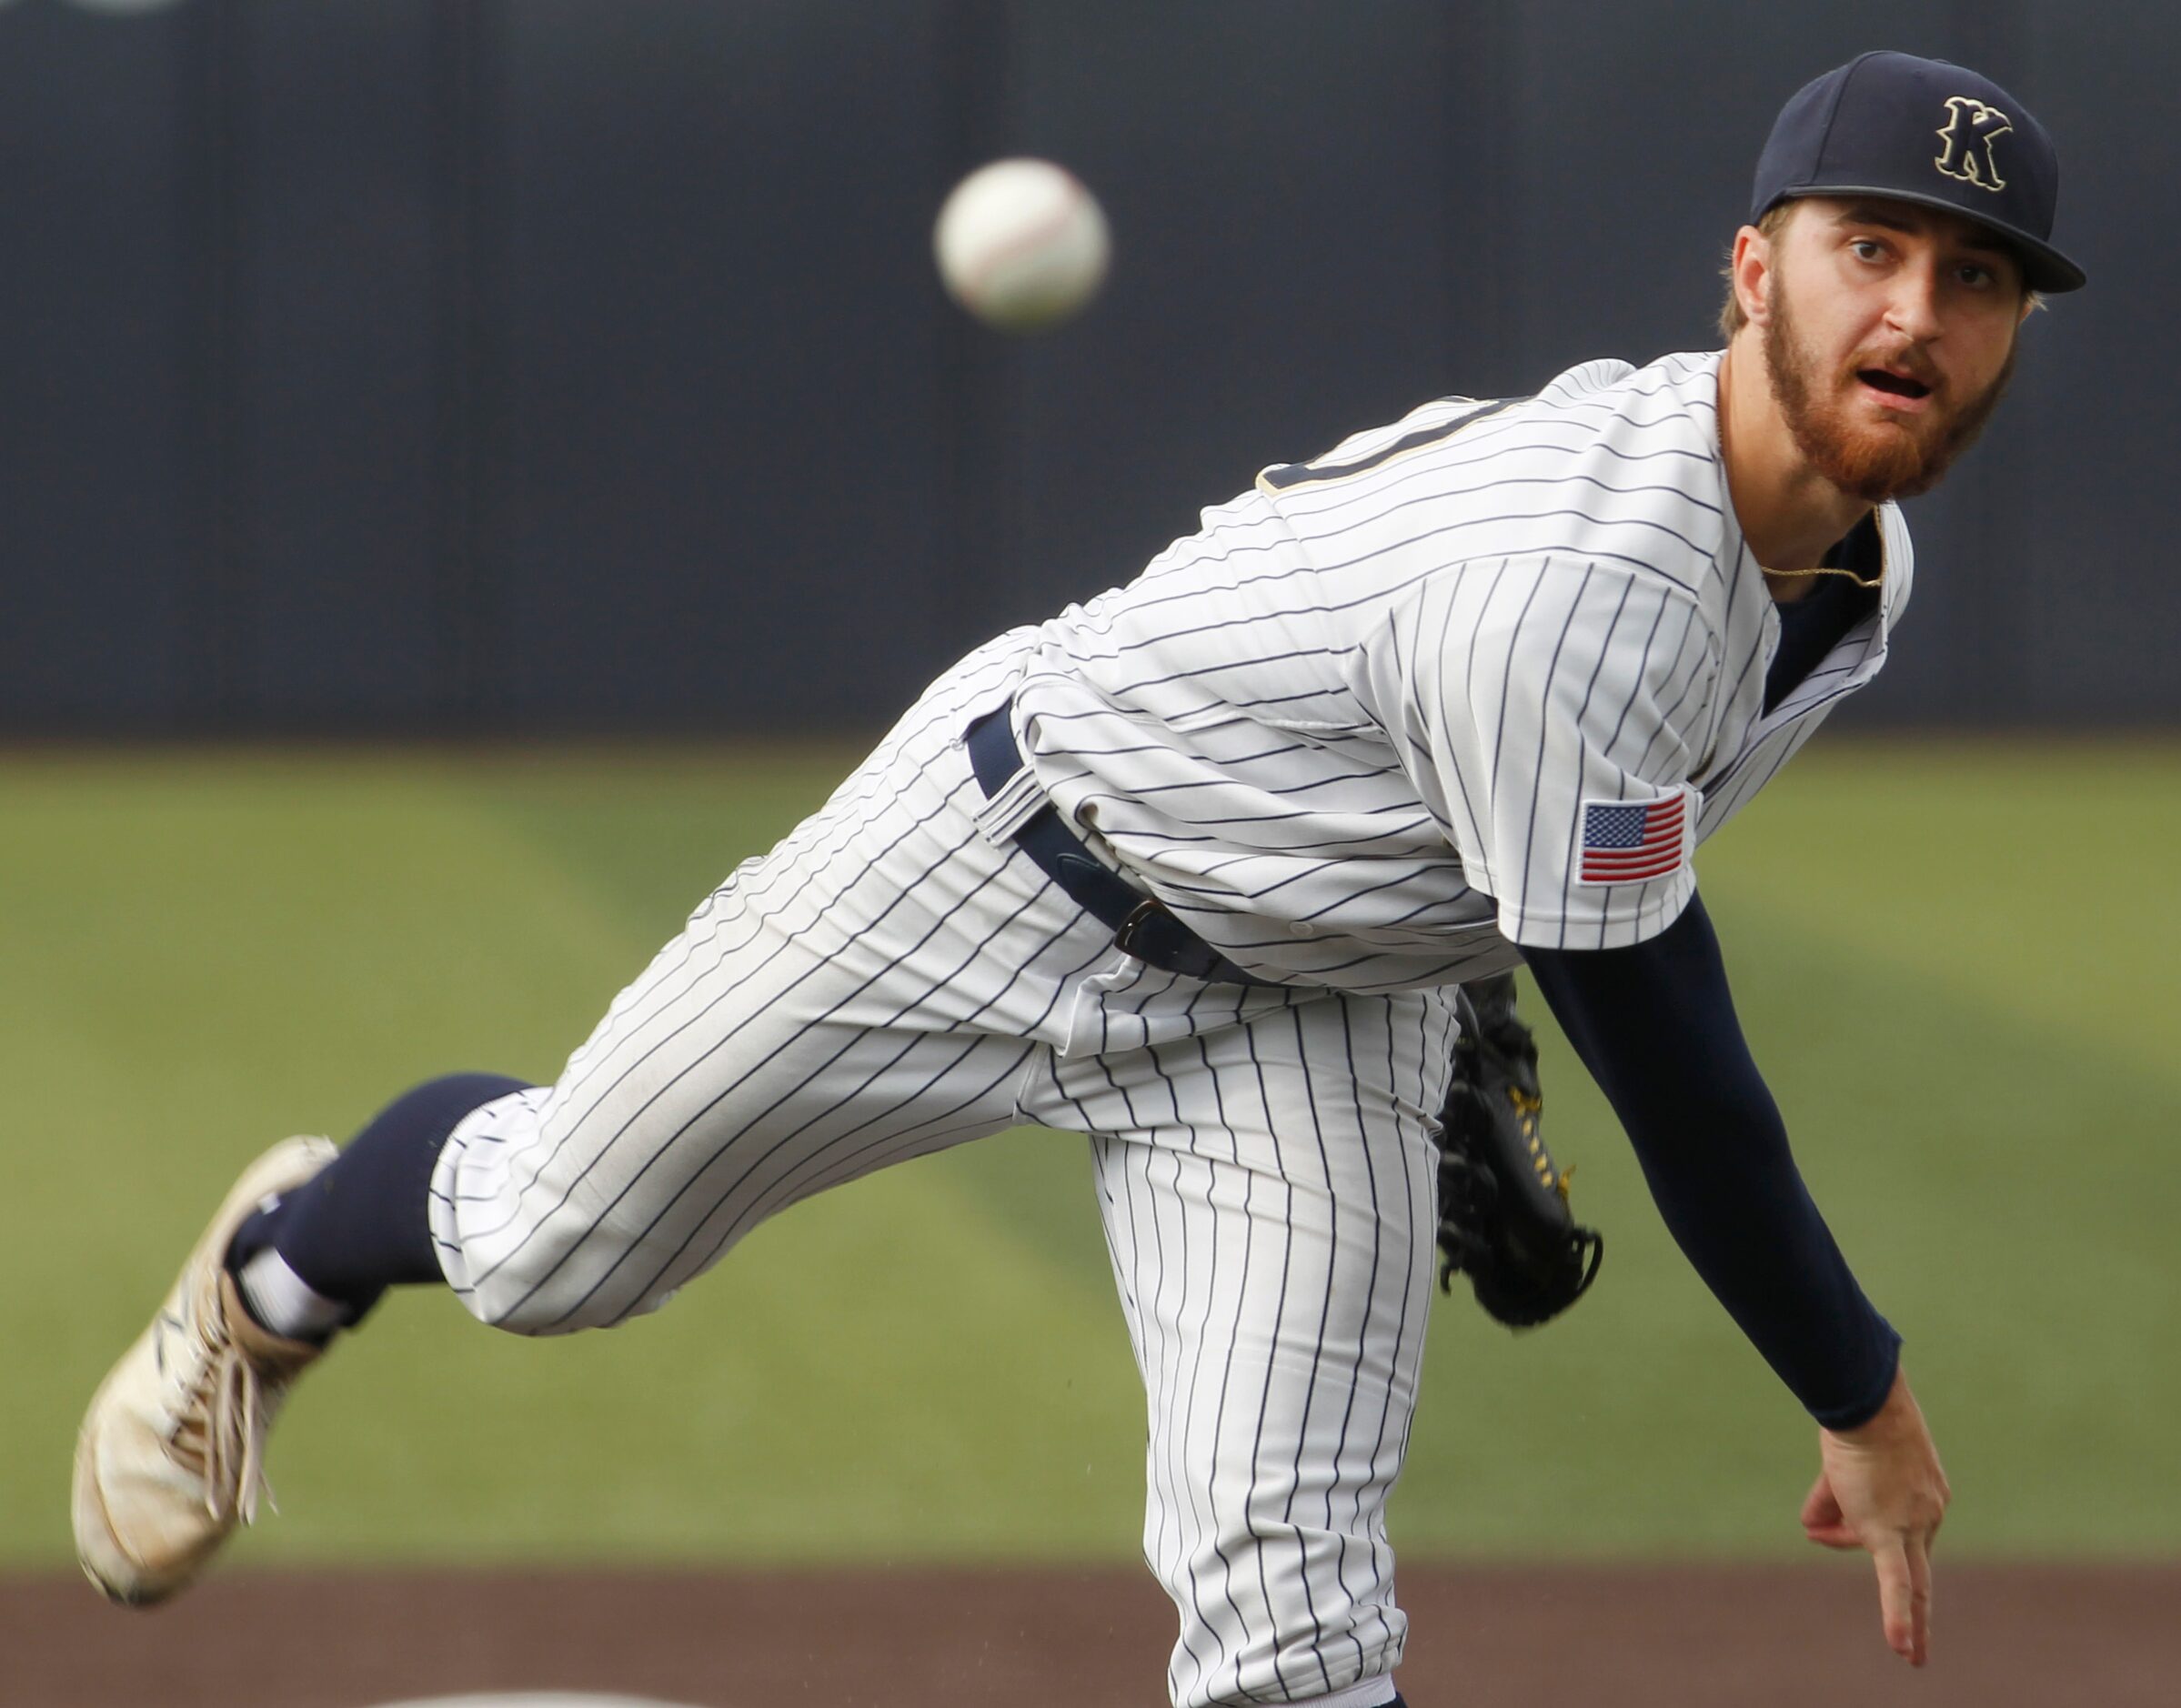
[1922,130]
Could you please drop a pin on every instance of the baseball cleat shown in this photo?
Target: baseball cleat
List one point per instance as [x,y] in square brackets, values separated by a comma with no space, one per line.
[171,1456]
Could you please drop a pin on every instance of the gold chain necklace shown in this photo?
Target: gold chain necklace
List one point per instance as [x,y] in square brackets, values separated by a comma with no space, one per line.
[1827,569]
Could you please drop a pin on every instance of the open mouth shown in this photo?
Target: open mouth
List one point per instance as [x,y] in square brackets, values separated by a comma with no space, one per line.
[1892,384]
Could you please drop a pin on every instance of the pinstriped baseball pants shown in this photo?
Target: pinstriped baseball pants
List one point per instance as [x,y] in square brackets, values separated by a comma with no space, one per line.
[886,983]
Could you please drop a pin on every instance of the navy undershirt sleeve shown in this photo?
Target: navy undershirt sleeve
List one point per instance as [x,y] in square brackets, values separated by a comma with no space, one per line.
[1656,1026]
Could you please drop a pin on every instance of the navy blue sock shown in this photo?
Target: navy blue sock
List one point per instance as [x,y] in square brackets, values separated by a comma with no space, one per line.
[361,1223]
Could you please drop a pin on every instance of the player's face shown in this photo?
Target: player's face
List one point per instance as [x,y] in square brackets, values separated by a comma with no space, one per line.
[1889,340]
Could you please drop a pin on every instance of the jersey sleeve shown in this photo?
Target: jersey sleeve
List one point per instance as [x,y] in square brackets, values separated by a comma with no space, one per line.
[1547,713]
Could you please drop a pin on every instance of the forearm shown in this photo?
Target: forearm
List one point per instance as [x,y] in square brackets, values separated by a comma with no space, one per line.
[1656,1026]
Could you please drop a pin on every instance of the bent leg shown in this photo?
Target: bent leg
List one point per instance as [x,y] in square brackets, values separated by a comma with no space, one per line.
[872,989]
[577,1205]
[1268,1199]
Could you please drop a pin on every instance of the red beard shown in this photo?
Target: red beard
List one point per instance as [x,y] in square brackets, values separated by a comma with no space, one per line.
[1870,461]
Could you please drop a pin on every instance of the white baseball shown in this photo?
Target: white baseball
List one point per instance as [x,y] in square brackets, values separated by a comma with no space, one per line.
[1021,244]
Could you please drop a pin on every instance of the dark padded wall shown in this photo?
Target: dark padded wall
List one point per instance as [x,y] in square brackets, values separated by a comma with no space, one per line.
[105,486]
[715,403]
[493,364]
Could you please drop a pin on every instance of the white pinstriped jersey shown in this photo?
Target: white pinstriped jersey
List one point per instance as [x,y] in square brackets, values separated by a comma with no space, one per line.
[1366,727]
[1444,690]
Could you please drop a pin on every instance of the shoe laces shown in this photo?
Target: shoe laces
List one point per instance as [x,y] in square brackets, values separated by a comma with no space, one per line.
[240,1418]
[226,1414]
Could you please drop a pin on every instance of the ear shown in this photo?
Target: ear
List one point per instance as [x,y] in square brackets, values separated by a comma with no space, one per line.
[1751,270]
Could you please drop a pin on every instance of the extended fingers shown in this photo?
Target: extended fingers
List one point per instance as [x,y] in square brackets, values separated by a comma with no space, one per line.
[1919,1598]
[1904,1597]
[1897,1600]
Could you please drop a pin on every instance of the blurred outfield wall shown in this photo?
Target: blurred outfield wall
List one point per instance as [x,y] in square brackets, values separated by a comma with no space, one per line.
[477,365]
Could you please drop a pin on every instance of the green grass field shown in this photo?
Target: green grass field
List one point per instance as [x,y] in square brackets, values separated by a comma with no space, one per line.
[1957,963]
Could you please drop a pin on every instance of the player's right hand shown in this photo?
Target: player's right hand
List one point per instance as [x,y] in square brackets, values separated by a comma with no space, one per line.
[1882,1489]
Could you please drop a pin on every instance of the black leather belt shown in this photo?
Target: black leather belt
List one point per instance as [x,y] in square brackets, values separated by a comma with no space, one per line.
[1141,924]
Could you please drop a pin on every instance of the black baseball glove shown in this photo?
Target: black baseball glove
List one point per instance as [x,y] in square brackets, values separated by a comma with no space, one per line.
[1503,1215]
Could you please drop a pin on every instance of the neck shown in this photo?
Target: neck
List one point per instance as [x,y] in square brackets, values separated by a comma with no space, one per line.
[1789,513]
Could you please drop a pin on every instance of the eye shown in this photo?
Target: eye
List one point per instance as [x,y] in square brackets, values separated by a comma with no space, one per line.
[1977,276]
[1866,248]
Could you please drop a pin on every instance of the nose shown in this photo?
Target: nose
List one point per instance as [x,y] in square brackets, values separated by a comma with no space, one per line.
[1914,308]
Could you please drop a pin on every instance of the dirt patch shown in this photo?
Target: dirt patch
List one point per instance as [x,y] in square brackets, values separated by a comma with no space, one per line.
[1686,1636]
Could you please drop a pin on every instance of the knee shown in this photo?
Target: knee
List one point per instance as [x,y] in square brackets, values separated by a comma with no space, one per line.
[521,1253]
[505,1301]
[553,1278]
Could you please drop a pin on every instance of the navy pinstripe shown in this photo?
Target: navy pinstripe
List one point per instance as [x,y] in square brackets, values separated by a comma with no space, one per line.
[1345,732]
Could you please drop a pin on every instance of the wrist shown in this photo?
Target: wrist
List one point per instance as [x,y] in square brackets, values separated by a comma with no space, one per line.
[1895,1414]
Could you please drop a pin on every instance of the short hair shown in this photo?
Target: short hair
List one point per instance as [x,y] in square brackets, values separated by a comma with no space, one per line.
[1731,318]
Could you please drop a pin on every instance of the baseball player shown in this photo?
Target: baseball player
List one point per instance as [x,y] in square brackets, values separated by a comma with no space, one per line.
[1199,868]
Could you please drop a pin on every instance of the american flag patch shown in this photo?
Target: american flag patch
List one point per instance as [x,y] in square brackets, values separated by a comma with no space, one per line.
[1627,842]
